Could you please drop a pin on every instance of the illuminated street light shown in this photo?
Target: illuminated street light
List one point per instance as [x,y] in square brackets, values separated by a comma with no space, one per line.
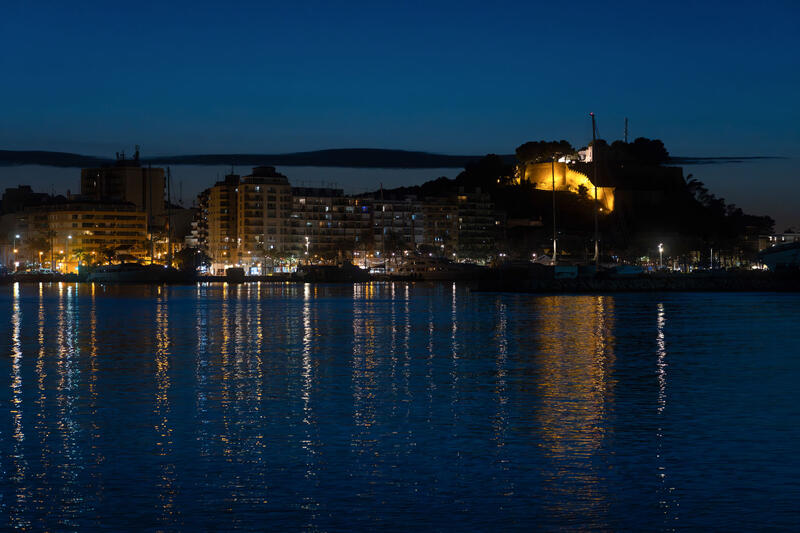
[66,258]
[660,256]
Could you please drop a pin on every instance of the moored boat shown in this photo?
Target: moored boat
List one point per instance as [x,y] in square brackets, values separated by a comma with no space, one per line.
[134,273]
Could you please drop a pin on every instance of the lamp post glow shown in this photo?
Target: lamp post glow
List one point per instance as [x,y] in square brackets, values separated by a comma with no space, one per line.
[16,263]
[660,256]
[66,258]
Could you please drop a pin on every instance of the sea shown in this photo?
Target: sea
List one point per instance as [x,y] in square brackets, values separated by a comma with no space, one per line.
[395,407]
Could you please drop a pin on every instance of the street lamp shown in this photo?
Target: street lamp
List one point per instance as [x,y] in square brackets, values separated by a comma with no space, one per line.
[660,256]
[16,263]
[66,259]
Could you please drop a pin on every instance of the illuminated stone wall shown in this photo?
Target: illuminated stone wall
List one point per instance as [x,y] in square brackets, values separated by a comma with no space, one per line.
[566,179]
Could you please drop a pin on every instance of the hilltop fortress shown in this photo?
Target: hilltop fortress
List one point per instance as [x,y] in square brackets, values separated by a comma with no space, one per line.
[546,176]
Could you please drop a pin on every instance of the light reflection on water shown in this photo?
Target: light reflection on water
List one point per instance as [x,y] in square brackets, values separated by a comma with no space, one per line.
[393,406]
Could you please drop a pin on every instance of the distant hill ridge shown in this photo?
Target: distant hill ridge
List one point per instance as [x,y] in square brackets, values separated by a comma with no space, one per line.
[343,157]
[347,157]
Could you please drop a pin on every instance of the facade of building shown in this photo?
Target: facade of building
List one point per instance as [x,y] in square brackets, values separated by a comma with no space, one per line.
[256,220]
[221,214]
[478,225]
[324,222]
[397,224]
[777,239]
[440,222]
[245,220]
[128,181]
[264,205]
[62,235]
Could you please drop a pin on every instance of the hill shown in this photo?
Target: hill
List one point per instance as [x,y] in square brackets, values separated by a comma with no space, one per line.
[347,157]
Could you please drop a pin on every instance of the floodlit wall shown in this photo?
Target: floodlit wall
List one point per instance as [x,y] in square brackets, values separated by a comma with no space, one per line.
[566,179]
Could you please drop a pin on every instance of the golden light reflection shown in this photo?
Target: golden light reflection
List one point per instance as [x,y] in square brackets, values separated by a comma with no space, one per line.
[225,362]
[576,353]
[501,422]
[19,470]
[364,368]
[68,397]
[92,379]
[308,442]
[43,498]
[164,443]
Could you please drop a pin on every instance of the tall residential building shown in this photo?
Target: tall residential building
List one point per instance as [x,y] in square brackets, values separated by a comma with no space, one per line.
[264,206]
[128,181]
[243,220]
[221,216]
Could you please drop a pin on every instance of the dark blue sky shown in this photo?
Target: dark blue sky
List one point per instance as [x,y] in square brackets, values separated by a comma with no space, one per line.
[709,78]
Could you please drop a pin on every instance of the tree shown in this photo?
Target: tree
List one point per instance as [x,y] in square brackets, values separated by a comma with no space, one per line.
[108,254]
[394,245]
[642,150]
[189,259]
[539,151]
[36,244]
[83,256]
[489,172]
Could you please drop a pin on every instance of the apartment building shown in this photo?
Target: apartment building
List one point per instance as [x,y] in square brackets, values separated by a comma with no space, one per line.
[324,222]
[127,180]
[62,235]
[242,220]
[397,224]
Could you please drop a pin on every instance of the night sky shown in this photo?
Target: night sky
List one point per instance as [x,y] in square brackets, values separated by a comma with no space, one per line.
[711,79]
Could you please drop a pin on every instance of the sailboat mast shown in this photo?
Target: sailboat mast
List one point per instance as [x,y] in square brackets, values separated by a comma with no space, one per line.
[169,217]
[555,234]
[595,153]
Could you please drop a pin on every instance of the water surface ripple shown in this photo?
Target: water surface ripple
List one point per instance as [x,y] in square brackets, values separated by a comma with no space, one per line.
[395,406]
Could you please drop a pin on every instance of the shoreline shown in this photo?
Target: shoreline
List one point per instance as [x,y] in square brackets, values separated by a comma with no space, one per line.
[698,282]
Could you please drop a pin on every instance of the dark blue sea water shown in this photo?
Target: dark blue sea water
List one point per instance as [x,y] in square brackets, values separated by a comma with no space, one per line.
[395,406]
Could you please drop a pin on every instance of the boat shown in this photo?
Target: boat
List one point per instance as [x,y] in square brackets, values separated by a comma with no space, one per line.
[429,268]
[134,273]
[347,273]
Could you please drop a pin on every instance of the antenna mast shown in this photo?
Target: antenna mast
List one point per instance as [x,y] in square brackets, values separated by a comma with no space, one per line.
[595,154]
[626,130]
[169,217]
[555,235]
